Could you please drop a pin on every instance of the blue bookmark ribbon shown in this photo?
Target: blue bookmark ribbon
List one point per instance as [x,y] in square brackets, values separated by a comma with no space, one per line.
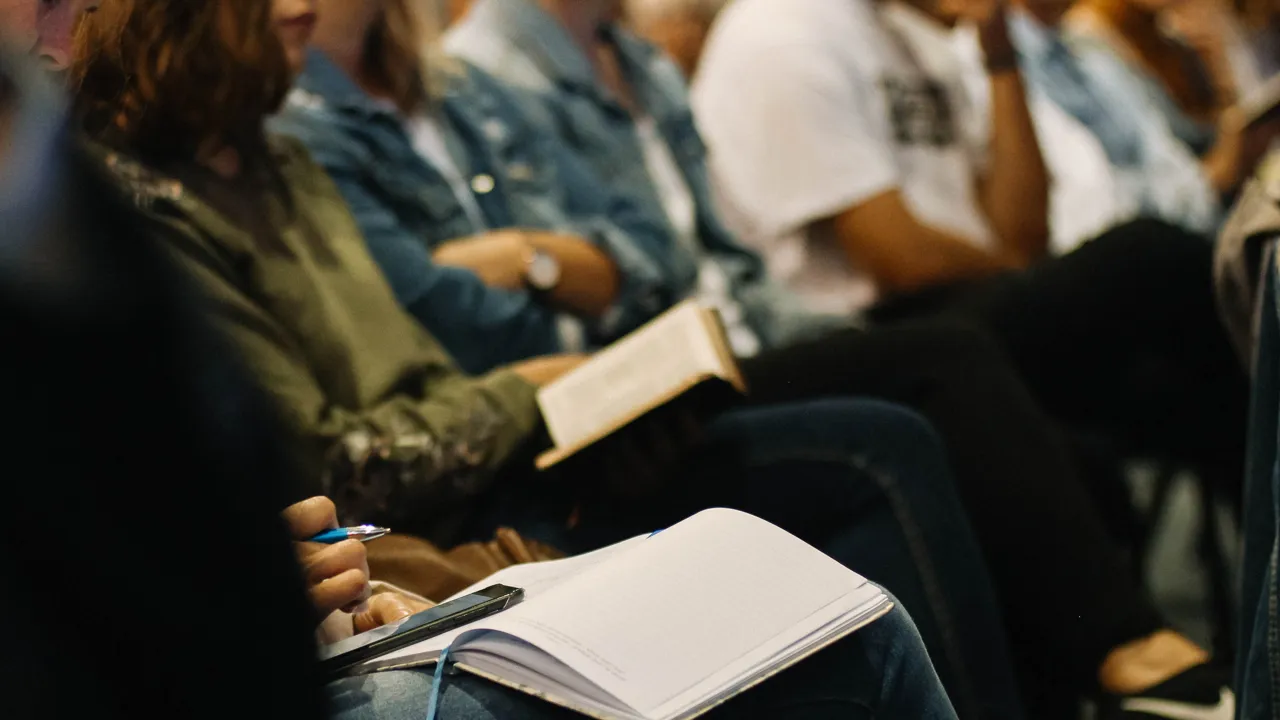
[437,685]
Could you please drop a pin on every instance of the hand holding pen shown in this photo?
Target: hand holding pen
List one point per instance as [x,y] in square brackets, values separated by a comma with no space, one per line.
[334,567]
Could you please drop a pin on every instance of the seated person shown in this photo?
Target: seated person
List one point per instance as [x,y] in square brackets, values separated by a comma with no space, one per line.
[1110,151]
[461,202]
[1192,55]
[377,414]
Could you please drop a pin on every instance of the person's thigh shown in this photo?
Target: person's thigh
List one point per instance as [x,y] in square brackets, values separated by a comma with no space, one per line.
[867,482]
[881,671]
[1120,336]
[1066,594]
[405,694]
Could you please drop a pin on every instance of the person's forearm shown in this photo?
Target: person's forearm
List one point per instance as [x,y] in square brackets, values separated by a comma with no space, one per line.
[1015,189]
[881,238]
[940,260]
[589,280]
[1223,79]
[1224,163]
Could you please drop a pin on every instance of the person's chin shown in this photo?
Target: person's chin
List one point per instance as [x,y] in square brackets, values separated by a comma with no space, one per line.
[297,59]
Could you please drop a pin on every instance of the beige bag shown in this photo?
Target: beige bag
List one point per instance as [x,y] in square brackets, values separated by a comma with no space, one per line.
[419,566]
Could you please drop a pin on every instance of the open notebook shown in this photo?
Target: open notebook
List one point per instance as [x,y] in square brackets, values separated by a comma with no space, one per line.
[661,627]
[682,349]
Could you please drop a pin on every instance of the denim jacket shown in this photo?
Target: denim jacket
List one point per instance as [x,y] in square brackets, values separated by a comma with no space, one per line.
[405,207]
[521,44]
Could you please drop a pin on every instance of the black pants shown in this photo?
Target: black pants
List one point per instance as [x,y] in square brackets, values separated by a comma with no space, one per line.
[1066,592]
[1119,337]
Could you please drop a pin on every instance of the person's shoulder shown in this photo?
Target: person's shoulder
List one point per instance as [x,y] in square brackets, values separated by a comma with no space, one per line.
[298,166]
[496,55]
[478,88]
[303,105]
[144,185]
[753,33]
[312,187]
[787,21]
[311,121]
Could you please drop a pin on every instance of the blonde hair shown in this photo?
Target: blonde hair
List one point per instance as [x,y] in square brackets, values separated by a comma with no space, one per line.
[402,52]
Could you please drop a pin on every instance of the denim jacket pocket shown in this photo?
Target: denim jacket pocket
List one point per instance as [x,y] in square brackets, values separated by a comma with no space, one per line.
[430,208]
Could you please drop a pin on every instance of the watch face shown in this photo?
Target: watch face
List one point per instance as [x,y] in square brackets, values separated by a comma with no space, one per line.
[543,271]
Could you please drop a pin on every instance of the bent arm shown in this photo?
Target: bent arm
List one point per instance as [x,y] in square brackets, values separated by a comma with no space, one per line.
[882,238]
[1014,191]
[447,434]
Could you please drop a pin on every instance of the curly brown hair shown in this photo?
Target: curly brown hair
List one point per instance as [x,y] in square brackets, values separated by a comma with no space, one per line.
[174,79]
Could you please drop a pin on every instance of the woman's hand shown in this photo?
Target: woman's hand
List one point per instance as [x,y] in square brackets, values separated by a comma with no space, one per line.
[542,370]
[337,576]
[385,608]
[498,257]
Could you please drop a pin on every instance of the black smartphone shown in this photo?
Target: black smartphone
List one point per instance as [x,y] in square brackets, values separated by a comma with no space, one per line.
[337,658]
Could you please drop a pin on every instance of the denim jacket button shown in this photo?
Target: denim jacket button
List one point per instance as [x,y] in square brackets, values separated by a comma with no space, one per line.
[482,184]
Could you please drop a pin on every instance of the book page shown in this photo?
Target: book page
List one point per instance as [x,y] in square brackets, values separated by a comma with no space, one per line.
[534,578]
[630,376]
[537,578]
[1261,101]
[657,625]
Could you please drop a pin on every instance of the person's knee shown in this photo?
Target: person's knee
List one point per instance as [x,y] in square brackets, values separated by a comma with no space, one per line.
[865,426]
[961,352]
[1148,238]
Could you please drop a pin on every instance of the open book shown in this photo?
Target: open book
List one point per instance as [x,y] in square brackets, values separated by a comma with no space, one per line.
[681,349]
[1262,102]
[664,627]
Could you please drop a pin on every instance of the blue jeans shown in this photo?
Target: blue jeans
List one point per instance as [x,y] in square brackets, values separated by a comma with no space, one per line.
[865,482]
[881,671]
[1258,660]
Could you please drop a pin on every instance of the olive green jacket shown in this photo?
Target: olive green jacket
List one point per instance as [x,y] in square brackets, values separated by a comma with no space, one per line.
[357,380]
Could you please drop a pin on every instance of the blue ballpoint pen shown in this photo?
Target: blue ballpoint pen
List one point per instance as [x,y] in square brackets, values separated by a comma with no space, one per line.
[363,533]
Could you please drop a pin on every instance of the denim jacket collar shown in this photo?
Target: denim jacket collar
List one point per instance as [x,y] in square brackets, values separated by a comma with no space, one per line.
[637,59]
[323,79]
[1034,41]
[539,36]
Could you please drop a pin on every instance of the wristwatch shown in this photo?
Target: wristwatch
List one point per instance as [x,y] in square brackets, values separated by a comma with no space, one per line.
[541,270]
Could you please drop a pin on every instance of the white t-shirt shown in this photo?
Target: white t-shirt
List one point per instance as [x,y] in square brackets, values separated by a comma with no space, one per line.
[682,212]
[810,107]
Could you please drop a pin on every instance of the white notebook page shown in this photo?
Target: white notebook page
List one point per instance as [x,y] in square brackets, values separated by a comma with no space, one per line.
[712,592]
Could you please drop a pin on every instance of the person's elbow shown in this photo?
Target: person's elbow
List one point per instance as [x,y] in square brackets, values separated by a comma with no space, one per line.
[1022,225]
[882,240]
[898,272]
